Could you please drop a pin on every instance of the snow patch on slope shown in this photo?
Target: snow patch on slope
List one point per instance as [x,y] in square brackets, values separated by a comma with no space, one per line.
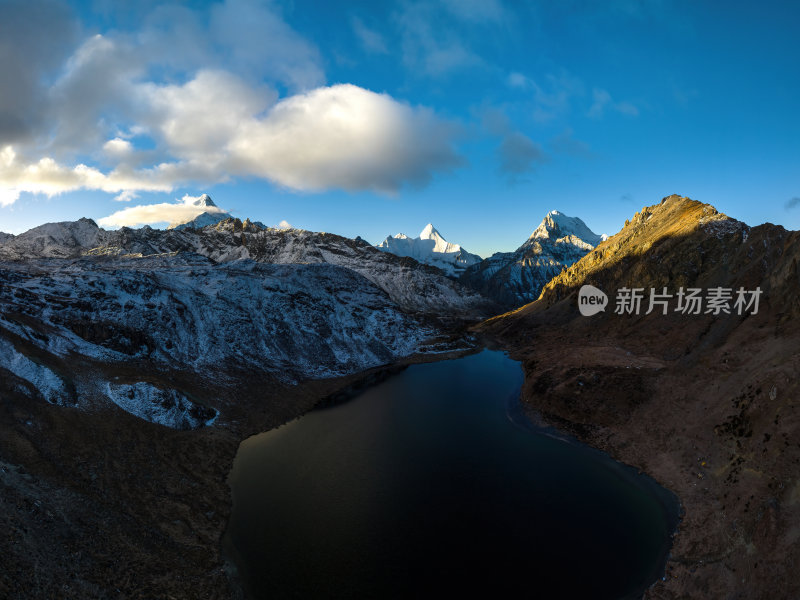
[164,407]
[50,385]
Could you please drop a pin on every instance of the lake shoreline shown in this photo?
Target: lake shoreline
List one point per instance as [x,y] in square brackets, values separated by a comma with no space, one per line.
[108,507]
[672,419]
[660,496]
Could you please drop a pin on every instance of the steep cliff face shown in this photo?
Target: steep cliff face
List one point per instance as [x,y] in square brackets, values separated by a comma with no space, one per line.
[515,278]
[704,402]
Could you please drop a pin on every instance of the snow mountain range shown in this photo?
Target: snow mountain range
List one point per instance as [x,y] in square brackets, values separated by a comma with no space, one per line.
[80,306]
[90,317]
[431,248]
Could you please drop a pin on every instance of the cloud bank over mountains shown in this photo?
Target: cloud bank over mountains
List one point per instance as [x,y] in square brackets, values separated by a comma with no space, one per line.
[196,98]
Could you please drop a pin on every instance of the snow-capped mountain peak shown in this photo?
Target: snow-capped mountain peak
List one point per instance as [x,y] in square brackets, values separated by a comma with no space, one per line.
[556,225]
[514,278]
[430,232]
[430,248]
[204,200]
[212,216]
[439,243]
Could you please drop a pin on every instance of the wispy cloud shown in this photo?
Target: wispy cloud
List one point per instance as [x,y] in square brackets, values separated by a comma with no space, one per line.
[566,143]
[477,11]
[603,101]
[519,155]
[551,95]
[429,47]
[370,40]
[792,203]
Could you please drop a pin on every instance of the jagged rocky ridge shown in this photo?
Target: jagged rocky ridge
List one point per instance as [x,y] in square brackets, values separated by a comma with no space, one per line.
[413,286]
[431,248]
[77,301]
[515,278]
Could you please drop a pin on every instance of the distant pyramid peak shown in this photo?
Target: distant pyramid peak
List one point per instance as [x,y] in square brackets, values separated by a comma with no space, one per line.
[204,200]
[429,232]
[430,248]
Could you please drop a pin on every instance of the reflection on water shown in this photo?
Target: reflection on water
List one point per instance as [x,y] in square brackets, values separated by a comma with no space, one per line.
[426,485]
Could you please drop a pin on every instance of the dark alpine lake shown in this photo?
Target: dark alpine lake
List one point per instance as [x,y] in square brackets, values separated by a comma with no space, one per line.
[431,483]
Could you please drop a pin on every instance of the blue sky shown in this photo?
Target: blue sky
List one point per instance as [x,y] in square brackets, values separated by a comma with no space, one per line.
[372,118]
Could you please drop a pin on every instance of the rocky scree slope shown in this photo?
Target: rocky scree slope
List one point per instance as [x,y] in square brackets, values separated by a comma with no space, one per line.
[705,403]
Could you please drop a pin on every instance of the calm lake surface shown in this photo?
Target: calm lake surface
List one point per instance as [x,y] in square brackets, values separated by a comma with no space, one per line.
[431,483]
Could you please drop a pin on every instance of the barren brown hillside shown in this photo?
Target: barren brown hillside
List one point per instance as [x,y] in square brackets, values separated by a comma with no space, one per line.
[707,404]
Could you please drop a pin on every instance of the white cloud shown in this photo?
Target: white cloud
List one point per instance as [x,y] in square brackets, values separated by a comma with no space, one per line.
[208,124]
[118,147]
[215,126]
[125,196]
[8,196]
[344,137]
[165,212]
[199,118]
[46,176]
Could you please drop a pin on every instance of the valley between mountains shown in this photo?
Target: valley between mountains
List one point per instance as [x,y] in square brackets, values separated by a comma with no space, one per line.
[133,362]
